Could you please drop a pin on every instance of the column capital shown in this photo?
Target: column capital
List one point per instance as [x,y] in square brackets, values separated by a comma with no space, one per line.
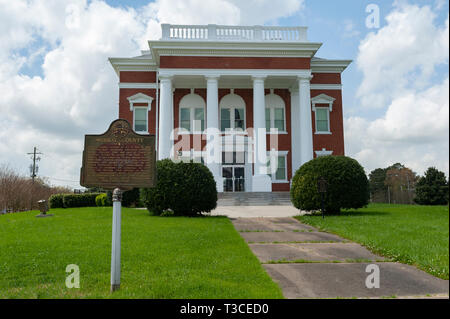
[305,77]
[212,77]
[256,78]
[165,78]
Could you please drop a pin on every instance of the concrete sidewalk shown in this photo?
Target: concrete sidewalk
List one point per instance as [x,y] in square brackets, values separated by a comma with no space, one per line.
[256,211]
[307,263]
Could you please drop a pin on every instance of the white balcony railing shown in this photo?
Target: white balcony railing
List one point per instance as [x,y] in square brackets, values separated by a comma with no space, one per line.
[213,32]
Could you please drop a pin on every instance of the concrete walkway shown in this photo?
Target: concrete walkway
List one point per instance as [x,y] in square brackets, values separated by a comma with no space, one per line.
[307,263]
[256,211]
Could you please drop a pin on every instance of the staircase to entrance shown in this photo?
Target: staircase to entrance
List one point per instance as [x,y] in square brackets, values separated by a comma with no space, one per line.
[254,199]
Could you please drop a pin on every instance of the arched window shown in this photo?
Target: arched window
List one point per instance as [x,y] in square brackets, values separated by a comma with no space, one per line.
[232,113]
[192,113]
[275,113]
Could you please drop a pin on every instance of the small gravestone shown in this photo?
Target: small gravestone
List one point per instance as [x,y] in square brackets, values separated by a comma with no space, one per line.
[43,207]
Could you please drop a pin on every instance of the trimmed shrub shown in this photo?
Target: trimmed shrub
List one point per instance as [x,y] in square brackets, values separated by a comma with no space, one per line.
[188,189]
[80,200]
[348,186]
[56,201]
[130,198]
[102,200]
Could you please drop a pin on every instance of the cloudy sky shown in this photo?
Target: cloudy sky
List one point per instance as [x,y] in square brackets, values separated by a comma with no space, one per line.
[56,83]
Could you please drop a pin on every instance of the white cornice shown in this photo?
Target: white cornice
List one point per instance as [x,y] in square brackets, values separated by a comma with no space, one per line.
[132,64]
[326,86]
[329,66]
[229,48]
[129,85]
[236,72]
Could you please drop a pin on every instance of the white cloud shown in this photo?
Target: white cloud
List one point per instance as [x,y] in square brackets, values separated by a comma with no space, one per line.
[401,55]
[77,93]
[398,64]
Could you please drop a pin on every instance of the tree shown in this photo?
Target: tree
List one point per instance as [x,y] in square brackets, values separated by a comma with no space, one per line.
[400,181]
[378,188]
[432,189]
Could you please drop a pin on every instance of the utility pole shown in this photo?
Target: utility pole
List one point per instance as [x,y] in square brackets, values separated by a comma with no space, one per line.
[33,171]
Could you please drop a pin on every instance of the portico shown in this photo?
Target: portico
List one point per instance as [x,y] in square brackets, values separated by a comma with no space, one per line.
[238,99]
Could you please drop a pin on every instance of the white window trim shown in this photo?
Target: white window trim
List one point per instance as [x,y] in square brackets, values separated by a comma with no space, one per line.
[275,154]
[328,120]
[323,152]
[191,107]
[272,108]
[232,129]
[134,119]
[323,99]
[140,98]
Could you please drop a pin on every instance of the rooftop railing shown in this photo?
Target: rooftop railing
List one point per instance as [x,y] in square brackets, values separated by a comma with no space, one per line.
[213,32]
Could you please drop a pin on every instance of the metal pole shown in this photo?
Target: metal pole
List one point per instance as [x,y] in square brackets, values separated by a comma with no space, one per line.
[115,253]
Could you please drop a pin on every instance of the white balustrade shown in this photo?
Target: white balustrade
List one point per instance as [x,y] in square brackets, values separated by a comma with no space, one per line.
[213,32]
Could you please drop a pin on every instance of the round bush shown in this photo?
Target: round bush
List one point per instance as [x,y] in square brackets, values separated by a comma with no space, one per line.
[188,189]
[102,200]
[348,186]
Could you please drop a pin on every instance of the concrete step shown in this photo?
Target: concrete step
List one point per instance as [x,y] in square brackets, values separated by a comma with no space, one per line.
[254,199]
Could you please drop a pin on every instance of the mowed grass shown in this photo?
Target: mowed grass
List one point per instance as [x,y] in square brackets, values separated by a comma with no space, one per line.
[411,234]
[162,257]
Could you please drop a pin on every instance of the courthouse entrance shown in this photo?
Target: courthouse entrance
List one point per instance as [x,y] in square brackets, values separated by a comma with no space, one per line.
[233,178]
[233,171]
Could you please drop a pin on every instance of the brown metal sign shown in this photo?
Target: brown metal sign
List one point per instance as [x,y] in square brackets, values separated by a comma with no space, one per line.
[119,158]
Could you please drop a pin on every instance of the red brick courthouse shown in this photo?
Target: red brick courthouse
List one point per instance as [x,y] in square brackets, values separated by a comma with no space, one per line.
[236,81]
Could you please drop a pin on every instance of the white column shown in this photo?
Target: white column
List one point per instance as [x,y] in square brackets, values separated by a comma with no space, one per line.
[165,118]
[306,138]
[213,142]
[295,130]
[261,181]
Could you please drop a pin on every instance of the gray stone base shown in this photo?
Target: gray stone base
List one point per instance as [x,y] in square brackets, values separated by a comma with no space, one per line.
[44,215]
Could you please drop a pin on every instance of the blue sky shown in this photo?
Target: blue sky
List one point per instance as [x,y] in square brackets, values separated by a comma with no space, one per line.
[395,95]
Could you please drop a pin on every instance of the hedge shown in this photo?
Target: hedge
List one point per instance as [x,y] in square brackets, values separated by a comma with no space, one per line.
[72,200]
[102,200]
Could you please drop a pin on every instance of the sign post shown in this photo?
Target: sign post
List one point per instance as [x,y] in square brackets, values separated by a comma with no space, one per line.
[116,236]
[322,185]
[119,160]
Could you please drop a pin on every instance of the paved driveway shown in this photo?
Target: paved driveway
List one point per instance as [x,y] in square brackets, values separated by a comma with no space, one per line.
[307,263]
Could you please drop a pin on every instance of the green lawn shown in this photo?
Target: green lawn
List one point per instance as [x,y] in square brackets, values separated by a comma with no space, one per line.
[162,257]
[412,234]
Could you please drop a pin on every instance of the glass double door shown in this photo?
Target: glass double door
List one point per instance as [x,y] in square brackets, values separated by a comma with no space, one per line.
[233,178]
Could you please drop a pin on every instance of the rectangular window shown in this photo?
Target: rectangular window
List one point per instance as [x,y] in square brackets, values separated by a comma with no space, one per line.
[239,119]
[199,120]
[280,174]
[279,119]
[140,119]
[267,119]
[185,118]
[225,121]
[280,171]
[322,120]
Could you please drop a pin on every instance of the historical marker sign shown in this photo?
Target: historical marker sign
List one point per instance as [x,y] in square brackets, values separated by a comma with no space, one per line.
[119,158]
